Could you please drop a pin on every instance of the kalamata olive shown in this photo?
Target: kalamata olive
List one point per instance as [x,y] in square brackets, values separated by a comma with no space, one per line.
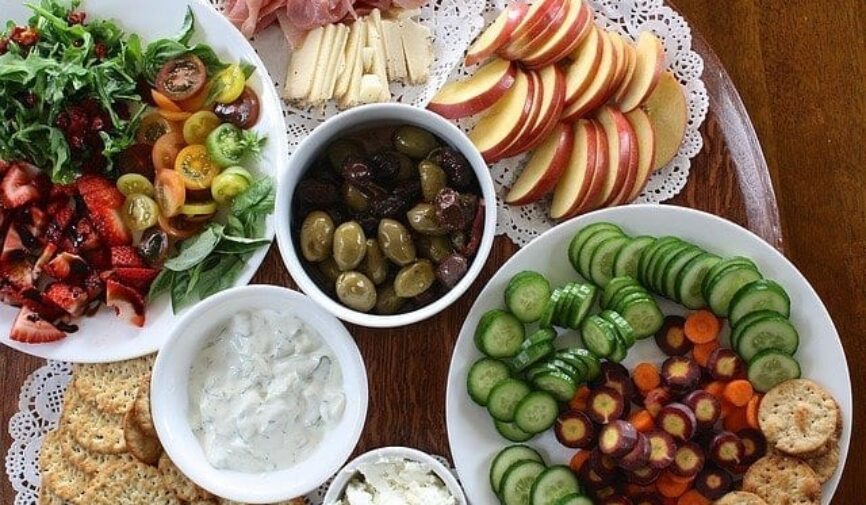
[449,210]
[422,218]
[433,180]
[414,142]
[407,170]
[356,291]
[392,206]
[329,269]
[451,270]
[387,301]
[317,235]
[455,165]
[316,193]
[375,264]
[154,247]
[469,205]
[435,249]
[350,246]
[369,223]
[357,170]
[243,112]
[409,190]
[396,242]
[355,199]
[386,165]
[341,149]
[414,279]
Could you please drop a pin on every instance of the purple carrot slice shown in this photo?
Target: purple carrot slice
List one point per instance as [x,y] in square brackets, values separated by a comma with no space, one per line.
[706,407]
[678,421]
[688,460]
[574,429]
[714,482]
[605,405]
[617,438]
[671,338]
[681,374]
[644,476]
[727,449]
[725,365]
[657,398]
[662,449]
[754,445]
[638,457]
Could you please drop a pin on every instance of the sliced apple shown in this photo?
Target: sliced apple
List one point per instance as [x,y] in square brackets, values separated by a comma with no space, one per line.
[621,140]
[646,144]
[586,59]
[497,34]
[562,42]
[522,136]
[648,69]
[596,92]
[552,82]
[477,93]
[520,47]
[593,198]
[574,183]
[504,121]
[537,19]
[631,63]
[619,47]
[544,168]
[668,113]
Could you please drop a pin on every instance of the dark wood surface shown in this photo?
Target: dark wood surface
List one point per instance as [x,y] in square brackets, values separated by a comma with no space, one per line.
[800,66]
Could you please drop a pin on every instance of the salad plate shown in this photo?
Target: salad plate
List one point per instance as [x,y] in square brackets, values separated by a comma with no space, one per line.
[104,337]
[472,437]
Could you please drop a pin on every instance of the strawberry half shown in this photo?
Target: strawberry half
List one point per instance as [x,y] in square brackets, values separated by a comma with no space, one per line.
[83,236]
[45,257]
[17,188]
[18,273]
[13,246]
[29,327]
[110,226]
[72,299]
[66,265]
[126,256]
[138,278]
[60,214]
[128,303]
[99,193]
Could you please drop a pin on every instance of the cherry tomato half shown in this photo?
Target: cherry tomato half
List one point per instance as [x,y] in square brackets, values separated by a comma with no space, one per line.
[243,112]
[163,102]
[196,167]
[152,127]
[180,227]
[199,209]
[140,212]
[231,81]
[170,115]
[226,186]
[198,126]
[134,184]
[165,150]
[169,192]
[182,77]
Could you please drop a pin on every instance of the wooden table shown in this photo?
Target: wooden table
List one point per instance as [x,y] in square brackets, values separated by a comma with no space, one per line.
[800,66]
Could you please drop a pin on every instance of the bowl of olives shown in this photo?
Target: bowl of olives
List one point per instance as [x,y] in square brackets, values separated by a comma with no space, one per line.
[386,215]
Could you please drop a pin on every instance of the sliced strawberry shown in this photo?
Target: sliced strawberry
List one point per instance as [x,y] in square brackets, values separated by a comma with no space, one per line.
[83,236]
[4,166]
[128,303]
[61,214]
[17,188]
[99,193]
[59,191]
[126,256]
[18,273]
[45,257]
[72,299]
[98,259]
[38,221]
[10,295]
[110,226]
[94,285]
[13,246]
[138,278]
[29,327]
[66,265]
[37,302]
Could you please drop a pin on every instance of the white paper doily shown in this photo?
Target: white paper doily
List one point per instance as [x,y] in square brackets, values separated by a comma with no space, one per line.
[39,406]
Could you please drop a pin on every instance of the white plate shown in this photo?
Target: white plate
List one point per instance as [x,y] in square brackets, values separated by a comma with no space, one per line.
[104,337]
[474,442]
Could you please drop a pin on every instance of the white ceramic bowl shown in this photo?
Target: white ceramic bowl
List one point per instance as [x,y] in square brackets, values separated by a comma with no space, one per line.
[379,115]
[169,397]
[341,480]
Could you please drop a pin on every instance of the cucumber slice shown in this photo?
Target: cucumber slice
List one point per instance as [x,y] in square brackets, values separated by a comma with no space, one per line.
[581,237]
[721,291]
[770,332]
[664,264]
[736,261]
[531,355]
[769,368]
[508,457]
[599,336]
[660,259]
[566,368]
[593,366]
[745,322]
[560,385]
[620,350]
[601,264]
[613,287]
[648,255]
[483,376]
[554,484]
[563,308]
[621,302]
[588,249]
[576,363]
[536,412]
[510,432]
[627,258]
[526,296]
[690,280]
[622,327]
[575,499]
[673,269]
[542,368]
[760,295]
[624,293]
[644,316]
[549,313]
[586,296]
[504,397]
[540,335]
[516,485]
[499,334]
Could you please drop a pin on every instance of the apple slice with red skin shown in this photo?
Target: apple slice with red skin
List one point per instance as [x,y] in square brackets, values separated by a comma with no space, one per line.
[649,66]
[593,199]
[669,113]
[562,42]
[552,101]
[646,145]
[596,92]
[621,140]
[574,184]
[537,19]
[522,136]
[505,120]
[544,168]
[581,71]
[477,93]
[497,34]
[520,48]
[619,46]
[631,63]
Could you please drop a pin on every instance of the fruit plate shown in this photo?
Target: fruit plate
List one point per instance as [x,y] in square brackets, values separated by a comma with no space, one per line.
[104,337]
[474,441]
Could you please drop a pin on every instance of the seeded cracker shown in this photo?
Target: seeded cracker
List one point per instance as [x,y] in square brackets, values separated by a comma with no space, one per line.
[740,498]
[84,459]
[47,497]
[825,466]
[783,480]
[145,448]
[141,407]
[92,428]
[129,483]
[58,475]
[799,417]
[111,386]
[184,488]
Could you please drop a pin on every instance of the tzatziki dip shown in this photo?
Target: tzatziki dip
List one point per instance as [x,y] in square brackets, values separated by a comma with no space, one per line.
[391,481]
[263,392]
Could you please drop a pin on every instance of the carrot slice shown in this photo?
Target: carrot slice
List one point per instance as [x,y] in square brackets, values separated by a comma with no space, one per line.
[701,352]
[702,326]
[739,392]
[693,497]
[164,102]
[715,388]
[643,421]
[578,460]
[647,377]
[736,419]
[752,411]
[670,488]
[578,401]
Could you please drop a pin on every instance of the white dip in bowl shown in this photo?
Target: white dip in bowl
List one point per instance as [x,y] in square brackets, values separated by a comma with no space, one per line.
[393,480]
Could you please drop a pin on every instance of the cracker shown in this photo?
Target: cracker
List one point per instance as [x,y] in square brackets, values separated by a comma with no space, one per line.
[184,488]
[798,417]
[141,445]
[111,386]
[141,407]
[93,429]
[58,475]
[84,459]
[47,497]
[825,465]
[780,479]
[129,483]
[740,498]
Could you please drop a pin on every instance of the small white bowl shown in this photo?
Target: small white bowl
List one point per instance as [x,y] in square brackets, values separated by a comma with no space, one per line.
[379,115]
[341,480]
[170,400]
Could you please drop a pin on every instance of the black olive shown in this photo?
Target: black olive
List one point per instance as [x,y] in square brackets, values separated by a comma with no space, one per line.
[449,209]
[357,170]
[451,270]
[316,193]
[455,165]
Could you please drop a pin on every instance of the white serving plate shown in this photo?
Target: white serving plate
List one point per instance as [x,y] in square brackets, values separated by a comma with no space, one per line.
[104,337]
[473,439]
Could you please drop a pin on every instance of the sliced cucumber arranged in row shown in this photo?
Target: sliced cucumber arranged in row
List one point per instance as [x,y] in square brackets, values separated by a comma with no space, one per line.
[499,334]
[769,368]
[568,306]
[635,305]
[526,296]
[518,476]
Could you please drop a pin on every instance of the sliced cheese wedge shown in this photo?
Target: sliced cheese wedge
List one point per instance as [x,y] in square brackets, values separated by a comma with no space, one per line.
[321,65]
[418,50]
[397,70]
[377,42]
[303,66]
[336,62]
[352,95]
[371,89]
[350,59]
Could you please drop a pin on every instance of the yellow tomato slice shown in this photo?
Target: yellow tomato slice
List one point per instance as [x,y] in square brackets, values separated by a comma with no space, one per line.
[196,167]
[230,82]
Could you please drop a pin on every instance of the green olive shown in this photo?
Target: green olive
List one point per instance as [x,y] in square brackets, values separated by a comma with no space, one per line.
[433,179]
[435,249]
[407,169]
[375,264]
[341,149]
[350,245]
[422,218]
[329,269]
[317,235]
[396,242]
[356,291]
[414,142]
[387,301]
[414,279]
[355,199]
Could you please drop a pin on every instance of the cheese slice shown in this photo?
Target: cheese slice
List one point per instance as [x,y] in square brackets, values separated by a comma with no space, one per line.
[353,92]
[351,56]
[321,64]
[377,42]
[418,49]
[371,89]
[303,66]
[394,51]
[337,60]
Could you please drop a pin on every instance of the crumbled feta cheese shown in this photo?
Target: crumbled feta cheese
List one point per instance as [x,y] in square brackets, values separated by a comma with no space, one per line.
[396,482]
